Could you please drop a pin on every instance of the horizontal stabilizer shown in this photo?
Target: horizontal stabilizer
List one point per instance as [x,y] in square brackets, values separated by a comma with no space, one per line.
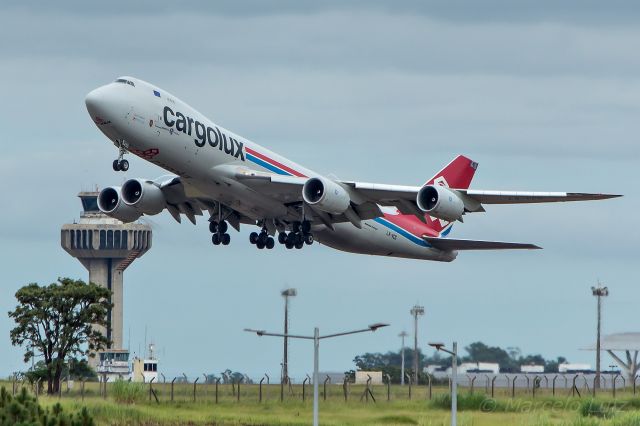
[452,244]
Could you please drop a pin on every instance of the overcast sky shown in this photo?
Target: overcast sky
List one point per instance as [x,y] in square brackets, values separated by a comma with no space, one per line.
[544,96]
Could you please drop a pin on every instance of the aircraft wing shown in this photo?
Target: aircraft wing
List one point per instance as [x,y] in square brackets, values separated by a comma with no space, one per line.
[404,197]
[453,244]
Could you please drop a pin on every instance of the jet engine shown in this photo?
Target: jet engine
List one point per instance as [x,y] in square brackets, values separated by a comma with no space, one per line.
[110,203]
[440,202]
[144,196]
[326,195]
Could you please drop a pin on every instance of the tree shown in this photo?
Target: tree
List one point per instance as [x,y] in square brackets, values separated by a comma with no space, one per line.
[58,321]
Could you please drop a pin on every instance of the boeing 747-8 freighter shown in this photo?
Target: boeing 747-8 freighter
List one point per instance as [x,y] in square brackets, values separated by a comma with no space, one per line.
[234,181]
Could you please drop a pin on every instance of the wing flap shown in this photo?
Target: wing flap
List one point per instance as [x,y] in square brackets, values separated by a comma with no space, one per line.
[453,244]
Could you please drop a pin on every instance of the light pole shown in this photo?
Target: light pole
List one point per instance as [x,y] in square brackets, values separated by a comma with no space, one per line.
[290,292]
[599,292]
[402,335]
[454,378]
[316,353]
[416,311]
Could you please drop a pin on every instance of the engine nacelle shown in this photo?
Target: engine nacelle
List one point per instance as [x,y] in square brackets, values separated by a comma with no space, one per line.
[440,202]
[326,195]
[110,203]
[144,196]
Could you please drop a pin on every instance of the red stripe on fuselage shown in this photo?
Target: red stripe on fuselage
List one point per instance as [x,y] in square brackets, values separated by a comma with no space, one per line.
[412,224]
[273,162]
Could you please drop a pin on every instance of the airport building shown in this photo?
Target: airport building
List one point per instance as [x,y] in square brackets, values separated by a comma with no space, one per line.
[106,247]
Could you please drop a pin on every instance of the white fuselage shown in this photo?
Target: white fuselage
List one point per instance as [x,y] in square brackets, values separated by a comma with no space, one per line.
[163,130]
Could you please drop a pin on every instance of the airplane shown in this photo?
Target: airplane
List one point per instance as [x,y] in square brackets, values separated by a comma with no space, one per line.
[235,181]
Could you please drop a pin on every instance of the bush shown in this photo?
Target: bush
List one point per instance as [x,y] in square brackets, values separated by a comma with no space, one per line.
[594,408]
[127,392]
[24,409]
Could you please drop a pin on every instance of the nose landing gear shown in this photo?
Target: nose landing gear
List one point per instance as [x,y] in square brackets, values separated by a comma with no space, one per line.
[120,164]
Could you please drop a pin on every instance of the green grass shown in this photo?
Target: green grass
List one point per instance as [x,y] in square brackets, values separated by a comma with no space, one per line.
[476,409]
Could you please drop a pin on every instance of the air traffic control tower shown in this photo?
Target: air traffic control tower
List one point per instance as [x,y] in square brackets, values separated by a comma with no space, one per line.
[106,247]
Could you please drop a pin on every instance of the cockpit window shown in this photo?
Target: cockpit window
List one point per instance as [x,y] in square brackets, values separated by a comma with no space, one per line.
[122,80]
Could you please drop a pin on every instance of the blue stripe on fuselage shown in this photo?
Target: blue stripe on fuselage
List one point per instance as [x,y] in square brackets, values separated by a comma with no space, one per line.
[266,165]
[406,234]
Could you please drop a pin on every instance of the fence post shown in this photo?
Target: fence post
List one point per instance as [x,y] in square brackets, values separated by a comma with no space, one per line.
[573,387]
[493,385]
[282,390]
[195,382]
[151,387]
[533,389]
[553,385]
[238,394]
[409,380]
[328,379]
[304,382]
[172,382]
[388,387]
[345,388]
[615,379]
[217,383]
[471,382]
[528,382]
[513,387]
[429,379]
[260,390]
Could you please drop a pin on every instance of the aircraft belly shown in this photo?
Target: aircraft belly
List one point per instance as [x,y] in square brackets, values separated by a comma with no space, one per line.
[374,239]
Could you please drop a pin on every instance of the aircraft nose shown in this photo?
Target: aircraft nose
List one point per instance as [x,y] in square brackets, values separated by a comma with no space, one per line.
[102,104]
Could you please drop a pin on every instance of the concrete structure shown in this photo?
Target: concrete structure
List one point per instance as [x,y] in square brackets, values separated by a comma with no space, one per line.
[106,247]
[532,369]
[113,364]
[363,376]
[629,343]
[477,367]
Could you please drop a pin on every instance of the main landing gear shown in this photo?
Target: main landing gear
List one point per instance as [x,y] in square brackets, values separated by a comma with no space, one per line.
[298,237]
[219,231]
[120,164]
[262,240]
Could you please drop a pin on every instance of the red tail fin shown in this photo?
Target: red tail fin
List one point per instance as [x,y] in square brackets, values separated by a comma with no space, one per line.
[457,174]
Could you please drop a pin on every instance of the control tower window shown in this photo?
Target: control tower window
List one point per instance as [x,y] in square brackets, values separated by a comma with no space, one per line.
[116,240]
[109,239]
[124,81]
[90,204]
[103,239]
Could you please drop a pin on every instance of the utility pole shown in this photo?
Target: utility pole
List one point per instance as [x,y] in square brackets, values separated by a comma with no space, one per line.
[290,292]
[416,311]
[402,335]
[599,292]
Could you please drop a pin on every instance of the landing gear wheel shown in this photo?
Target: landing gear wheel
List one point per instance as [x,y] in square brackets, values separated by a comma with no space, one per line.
[213,226]
[124,165]
[282,237]
[215,239]
[260,245]
[226,239]
[291,239]
[306,227]
[308,239]
[262,238]
[116,165]
[253,237]
[270,243]
[288,245]
[299,245]
[222,227]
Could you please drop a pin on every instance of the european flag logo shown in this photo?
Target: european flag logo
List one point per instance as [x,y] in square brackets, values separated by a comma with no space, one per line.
[155,92]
